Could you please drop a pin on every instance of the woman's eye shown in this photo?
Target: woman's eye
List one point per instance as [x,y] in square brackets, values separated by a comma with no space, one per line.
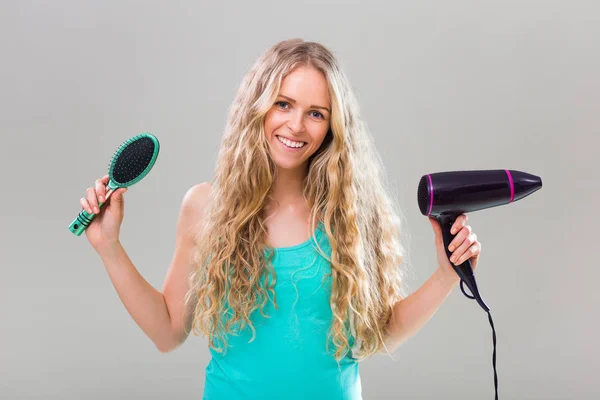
[285,105]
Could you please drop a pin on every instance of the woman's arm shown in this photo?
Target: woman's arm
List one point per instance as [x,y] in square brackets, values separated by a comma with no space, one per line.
[413,312]
[161,315]
[144,303]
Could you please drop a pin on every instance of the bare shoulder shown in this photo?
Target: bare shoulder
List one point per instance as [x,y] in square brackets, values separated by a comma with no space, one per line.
[193,205]
[197,196]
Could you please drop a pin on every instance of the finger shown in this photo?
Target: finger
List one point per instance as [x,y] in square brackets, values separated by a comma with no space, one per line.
[459,253]
[101,188]
[92,200]
[118,194]
[460,221]
[121,192]
[85,205]
[459,238]
[473,250]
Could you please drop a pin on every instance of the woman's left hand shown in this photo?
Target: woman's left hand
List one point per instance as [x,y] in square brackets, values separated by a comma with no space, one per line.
[464,245]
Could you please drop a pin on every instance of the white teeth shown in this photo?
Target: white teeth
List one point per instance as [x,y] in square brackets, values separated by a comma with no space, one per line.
[290,143]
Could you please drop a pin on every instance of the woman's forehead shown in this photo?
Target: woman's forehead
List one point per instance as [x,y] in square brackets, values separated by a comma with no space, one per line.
[306,85]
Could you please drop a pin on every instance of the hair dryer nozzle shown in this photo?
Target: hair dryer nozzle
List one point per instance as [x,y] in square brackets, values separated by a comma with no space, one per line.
[524,184]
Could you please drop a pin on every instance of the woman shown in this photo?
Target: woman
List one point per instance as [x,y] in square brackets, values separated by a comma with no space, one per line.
[289,262]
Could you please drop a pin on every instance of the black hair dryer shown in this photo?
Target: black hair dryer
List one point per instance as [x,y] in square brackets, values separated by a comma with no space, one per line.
[446,195]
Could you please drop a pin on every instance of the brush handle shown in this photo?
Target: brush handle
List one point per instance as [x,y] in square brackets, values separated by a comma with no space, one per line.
[464,270]
[84,219]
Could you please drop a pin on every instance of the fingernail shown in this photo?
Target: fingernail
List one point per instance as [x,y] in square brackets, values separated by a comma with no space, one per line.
[101,198]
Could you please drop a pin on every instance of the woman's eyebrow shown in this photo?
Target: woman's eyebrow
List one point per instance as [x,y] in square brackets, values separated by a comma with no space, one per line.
[311,106]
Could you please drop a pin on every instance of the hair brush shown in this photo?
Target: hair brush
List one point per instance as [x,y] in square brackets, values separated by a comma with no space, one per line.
[132,161]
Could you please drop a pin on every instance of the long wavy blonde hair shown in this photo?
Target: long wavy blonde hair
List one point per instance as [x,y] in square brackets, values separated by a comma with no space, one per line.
[346,190]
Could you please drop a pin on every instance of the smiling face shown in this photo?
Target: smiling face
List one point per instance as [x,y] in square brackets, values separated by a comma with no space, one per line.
[298,121]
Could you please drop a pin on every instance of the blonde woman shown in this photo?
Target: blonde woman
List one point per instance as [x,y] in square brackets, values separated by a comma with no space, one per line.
[290,260]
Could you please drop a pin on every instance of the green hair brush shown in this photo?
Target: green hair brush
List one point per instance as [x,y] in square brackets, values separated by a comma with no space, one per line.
[132,161]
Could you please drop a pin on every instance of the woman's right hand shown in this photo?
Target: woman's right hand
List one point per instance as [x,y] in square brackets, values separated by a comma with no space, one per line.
[105,227]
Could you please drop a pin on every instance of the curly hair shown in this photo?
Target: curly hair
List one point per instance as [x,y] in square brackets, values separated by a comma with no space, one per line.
[345,189]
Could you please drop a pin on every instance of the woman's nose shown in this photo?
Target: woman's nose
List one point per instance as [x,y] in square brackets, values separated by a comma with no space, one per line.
[296,121]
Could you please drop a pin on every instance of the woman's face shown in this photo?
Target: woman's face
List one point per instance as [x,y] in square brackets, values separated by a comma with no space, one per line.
[298,121]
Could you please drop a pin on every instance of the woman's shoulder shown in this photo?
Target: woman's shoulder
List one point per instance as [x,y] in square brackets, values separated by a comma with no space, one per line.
[197,196]
[198,191]
[194,205]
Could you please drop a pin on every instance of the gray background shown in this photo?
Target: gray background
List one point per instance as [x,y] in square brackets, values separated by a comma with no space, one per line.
[442,85]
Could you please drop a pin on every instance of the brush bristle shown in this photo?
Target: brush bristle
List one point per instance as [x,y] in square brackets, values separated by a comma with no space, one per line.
[133,160]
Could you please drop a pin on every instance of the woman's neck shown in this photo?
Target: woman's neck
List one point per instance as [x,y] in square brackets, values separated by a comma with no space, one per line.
[288,186]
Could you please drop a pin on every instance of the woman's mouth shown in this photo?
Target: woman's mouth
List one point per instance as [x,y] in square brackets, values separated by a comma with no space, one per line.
[290,144]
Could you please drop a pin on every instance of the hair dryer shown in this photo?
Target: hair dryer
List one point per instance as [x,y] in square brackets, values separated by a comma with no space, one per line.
[446,195]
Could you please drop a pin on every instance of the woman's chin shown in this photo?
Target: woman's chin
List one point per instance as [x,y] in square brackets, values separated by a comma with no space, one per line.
[289,165]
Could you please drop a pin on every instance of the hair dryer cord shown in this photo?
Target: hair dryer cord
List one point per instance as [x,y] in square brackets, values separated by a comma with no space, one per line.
[493,338]
[462,287]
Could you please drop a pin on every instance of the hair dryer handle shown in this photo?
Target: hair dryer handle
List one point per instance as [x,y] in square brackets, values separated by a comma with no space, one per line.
[464,270]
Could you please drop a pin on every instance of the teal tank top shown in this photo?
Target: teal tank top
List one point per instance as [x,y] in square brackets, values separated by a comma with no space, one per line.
[288,358]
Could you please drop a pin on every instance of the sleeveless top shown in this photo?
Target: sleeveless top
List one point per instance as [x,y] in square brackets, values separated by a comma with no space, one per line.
[288,358]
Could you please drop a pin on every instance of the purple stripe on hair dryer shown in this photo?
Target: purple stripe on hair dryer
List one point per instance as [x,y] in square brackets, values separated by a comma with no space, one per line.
[446,195]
